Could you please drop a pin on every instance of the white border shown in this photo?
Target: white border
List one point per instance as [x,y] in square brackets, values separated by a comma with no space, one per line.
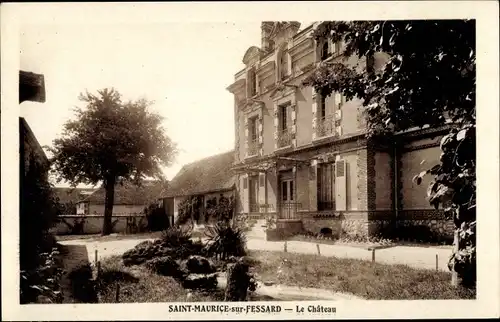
[486,13]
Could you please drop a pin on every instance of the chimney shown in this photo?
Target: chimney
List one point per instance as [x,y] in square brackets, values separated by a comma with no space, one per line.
[266,28]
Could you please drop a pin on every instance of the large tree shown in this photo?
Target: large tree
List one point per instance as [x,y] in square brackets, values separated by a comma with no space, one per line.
[111,141]
[427,78]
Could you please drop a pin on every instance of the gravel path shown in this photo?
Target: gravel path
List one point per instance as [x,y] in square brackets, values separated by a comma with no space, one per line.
[417,257]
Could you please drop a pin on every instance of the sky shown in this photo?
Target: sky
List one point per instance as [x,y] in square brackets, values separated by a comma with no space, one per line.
[184,68]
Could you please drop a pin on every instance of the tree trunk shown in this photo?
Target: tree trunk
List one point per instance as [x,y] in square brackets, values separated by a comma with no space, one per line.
[108,206]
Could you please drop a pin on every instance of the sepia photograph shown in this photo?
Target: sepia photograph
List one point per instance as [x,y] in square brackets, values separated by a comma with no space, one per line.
[253,168]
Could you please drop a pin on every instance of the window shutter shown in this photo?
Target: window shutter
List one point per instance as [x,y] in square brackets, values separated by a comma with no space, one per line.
[340,185]
[245,183]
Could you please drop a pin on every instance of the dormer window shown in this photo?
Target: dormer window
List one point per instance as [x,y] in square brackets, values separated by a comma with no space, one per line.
[252,83]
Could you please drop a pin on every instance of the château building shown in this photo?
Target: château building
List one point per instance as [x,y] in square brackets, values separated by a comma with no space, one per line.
[305,159]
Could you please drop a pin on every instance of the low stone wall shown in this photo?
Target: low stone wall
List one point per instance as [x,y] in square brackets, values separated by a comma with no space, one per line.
[92,224]
[288,228]
[416,225]
[347,223]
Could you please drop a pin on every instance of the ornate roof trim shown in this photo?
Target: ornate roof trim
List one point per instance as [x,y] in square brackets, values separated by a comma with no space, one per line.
[251,52]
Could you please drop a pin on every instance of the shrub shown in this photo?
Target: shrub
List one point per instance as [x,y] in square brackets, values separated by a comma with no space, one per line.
[239,281]
[165,266]
[44,281]
[175,242]
[82,284]
[225,240]
[199,265]
[176,236]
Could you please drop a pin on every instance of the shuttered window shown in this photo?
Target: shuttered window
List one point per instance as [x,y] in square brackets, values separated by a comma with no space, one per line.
[326,185]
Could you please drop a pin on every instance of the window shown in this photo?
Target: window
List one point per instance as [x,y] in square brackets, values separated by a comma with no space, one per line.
[284,190]
[336,48]
[253,129]
[322,106]
[252,83]
[283,116]
[325,186]
[324,51]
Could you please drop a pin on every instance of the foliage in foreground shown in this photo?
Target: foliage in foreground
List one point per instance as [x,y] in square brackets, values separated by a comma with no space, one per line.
[42,285]
[111,141]
[225,240]
[418,73]
[239,281]
[372,281]
[39,265]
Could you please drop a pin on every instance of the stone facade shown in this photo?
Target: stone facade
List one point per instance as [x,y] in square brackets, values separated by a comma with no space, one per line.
[299,131]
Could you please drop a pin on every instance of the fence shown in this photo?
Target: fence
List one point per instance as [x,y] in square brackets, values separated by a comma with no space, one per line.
[93,223]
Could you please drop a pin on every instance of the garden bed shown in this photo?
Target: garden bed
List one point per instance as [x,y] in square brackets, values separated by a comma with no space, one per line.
[372,281]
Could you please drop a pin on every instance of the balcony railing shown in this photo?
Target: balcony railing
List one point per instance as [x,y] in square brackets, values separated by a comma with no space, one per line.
[325,126]
[288,210]
[253,147]
[284,138]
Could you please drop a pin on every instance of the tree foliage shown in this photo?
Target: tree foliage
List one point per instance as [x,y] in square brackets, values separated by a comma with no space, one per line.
[417,73]
[222,209]
[110,141]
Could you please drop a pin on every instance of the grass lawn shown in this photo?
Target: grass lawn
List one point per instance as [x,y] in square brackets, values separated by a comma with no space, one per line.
[372,281]
[152,288]
[149,287]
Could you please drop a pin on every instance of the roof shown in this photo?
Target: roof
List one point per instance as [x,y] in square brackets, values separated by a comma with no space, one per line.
[131,194]
[31,87]
[212,174]
[30,139]
[74,195]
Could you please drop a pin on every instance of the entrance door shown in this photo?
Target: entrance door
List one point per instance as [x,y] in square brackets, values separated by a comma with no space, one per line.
[253,184]
[288,205]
